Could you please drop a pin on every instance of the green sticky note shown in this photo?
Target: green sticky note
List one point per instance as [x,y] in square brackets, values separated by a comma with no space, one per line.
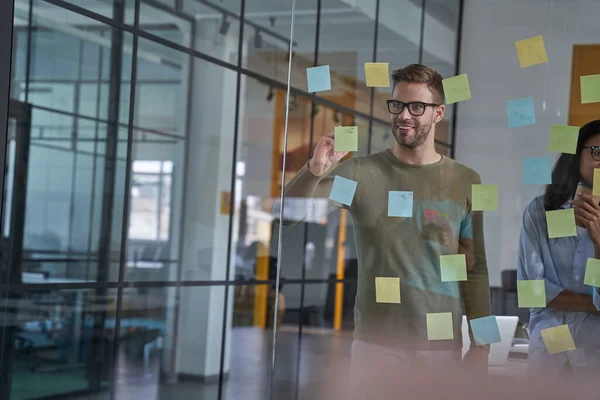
[387,290]
[456,89]
[484,197]
[561,223]
[563,139]
[531,293]
[558,339]
[439,326]
[590,89]
[592,272]
[453,268]
[345,138]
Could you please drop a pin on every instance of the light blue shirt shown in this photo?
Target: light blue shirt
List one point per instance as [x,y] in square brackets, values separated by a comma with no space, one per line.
[561,264]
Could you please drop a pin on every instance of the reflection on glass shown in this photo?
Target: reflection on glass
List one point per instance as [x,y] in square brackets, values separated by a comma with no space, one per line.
[267,44]
[62,341]
[216,27]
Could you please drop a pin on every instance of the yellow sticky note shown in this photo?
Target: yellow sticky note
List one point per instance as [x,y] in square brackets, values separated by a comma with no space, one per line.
[456,89]
[387,290]
[590,89]
[563,138]
[377,74]
[558,339]
[531,51]
[592,272]
[484,197]
[596,187]
[531,293]
[561,223]
[439,326]
[453,268]
[345,138]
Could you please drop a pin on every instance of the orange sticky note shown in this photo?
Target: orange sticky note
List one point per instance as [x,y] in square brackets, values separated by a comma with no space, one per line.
[531,51]
[596,188]
[377,74]
[558,339]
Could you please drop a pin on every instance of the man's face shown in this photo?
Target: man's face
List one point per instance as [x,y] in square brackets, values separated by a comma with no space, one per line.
[409,130]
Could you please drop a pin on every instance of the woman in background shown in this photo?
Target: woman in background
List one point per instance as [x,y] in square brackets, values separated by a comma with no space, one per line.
[561,262]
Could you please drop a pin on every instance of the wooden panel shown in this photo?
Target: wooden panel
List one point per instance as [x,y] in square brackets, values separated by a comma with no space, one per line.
[585,62]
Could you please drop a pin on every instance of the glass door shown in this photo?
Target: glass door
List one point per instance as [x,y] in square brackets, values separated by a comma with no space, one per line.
[11,237]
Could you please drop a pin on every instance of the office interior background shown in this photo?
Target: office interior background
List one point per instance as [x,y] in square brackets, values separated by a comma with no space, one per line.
[144,154]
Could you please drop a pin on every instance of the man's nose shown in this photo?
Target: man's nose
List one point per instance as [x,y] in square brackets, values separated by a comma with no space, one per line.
[405,114]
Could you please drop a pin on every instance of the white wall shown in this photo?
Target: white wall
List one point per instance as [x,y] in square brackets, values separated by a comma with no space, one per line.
[484,141]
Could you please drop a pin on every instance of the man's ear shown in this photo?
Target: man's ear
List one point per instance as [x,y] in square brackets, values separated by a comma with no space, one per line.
[439,113]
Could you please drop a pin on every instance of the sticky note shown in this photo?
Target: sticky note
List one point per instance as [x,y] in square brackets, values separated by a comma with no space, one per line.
[343,190]
[439,326]
[592,272]
[563,138]
[596,184]
[400,204]
[531,51]
[531,293]
[377,74]
[590,89]
[453,268]
[485,330]
[318,78]
[537,171]
[456,89]
[387,290]
[577,358]
[520,112]
[345,138]
[561,223]
[558,339]
[484,197]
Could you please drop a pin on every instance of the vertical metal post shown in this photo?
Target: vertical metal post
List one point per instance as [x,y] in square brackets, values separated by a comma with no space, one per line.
[6,41]
[99,362]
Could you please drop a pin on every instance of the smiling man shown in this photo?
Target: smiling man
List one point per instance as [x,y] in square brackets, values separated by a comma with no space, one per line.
[395,335]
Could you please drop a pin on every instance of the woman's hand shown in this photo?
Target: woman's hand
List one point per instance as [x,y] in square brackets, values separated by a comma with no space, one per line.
[588,212]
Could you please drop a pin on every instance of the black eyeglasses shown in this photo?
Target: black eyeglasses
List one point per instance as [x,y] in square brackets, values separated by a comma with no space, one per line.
[415,108]
[595,151]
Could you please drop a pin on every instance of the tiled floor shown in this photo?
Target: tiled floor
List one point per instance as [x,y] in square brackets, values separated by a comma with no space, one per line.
[324,359]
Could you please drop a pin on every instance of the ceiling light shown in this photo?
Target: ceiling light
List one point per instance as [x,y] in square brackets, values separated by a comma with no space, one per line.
[224,28]
[257,39]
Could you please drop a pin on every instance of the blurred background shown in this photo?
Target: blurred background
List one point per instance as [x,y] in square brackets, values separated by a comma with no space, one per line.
[144,152]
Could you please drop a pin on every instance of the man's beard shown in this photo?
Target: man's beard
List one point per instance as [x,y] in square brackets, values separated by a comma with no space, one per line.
[421,135]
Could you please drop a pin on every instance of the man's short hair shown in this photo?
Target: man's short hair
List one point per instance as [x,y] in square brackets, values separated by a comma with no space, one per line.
[418,73]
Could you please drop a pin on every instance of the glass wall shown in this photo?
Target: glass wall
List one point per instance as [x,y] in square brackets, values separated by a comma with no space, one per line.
[144,159]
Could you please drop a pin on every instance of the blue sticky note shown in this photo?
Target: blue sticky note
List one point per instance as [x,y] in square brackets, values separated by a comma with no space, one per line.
[537,171]
[318,78]
[485,330]
[400,204]
[520,112]
[343,190]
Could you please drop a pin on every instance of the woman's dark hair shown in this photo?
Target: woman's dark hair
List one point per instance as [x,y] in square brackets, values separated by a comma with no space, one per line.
[566,174]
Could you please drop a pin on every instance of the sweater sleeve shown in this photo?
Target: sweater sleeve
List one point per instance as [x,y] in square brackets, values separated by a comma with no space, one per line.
[475,291]
[308,187]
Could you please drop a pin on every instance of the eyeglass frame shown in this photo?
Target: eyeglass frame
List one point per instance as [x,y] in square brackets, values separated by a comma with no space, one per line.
[592,148]
[407,105]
